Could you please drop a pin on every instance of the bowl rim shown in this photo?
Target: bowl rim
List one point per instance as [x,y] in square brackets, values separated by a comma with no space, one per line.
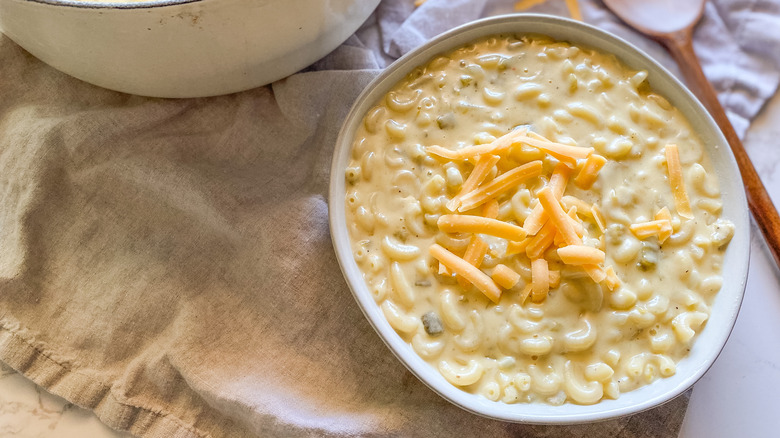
[739,247]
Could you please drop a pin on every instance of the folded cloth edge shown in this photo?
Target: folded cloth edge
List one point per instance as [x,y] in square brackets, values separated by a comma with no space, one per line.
[32,360]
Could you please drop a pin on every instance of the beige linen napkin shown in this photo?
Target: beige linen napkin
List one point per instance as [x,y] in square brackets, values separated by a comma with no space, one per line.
[167,263]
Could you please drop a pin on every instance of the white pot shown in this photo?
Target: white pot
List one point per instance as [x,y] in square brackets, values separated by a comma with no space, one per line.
[181,48]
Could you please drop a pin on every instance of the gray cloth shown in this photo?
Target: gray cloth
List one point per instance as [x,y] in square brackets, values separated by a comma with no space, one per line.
[167,263]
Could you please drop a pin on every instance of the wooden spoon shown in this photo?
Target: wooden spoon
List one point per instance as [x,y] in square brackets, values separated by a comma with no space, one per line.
[671,23]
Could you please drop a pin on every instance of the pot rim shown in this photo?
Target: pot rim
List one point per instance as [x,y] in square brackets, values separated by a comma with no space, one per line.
[92,4]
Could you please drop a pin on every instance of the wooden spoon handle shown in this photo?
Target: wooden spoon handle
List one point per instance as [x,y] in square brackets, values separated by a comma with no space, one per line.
[680,45]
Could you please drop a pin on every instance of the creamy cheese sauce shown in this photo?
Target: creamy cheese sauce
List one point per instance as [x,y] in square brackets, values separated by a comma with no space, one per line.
[584,342]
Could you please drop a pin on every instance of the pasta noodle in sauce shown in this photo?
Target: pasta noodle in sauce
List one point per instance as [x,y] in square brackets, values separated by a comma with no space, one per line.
[536,222]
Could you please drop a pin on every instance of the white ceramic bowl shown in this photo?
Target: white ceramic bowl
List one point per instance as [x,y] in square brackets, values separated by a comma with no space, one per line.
[181,48]
[724,312]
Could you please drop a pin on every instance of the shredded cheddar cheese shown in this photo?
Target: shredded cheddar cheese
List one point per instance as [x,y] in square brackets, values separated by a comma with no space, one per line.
[540,280]
[564,153]
[559,179]
[535,221]
[575,222]
[505,276]
[481,170]
[595,211]
[490,209]
[548,231]
[559,240]
[558,217]
[474,255]
[581,255]
[643,230]
[467,271]
[497,146]
[513,248]
[583,207]
[500,185]
[681,202]
[664,214]
[590,171]
[612,281]
[457,223]
[538,244]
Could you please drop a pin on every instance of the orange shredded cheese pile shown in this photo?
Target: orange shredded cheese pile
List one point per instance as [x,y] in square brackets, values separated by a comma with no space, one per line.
[554,223]
[554,233]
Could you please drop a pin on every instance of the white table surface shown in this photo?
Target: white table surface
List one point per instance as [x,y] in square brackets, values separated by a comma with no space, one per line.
[738,397]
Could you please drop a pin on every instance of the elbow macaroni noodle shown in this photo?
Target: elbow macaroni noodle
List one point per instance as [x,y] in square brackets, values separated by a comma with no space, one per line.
[585,342]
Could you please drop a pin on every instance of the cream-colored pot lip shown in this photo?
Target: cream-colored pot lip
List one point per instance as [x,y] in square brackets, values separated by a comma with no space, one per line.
[108,4]
[711,340]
